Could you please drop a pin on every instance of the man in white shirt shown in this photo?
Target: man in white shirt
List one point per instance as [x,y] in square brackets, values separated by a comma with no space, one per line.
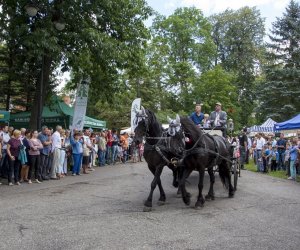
[56,146]
[260,142]
[4,138]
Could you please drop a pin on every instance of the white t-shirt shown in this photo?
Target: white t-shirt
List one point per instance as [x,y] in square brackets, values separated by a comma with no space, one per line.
[260,143]
[56,140]
[5,139]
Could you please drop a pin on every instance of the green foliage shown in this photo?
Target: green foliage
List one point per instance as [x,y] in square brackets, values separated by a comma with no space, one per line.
[238,36]
[279,93]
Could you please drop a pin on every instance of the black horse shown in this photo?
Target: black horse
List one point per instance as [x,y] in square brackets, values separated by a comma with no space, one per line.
[159,151]
[204,151]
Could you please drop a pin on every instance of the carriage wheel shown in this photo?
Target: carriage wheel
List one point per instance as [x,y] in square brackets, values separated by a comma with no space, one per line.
[235,174]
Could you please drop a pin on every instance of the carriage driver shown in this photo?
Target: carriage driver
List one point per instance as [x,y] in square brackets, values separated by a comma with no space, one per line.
[218,118]
[197,116]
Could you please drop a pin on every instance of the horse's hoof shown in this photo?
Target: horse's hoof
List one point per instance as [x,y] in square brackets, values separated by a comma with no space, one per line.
[161,203]
[147,209]
[187,201]
[231,195]
[199,204]
[209,197]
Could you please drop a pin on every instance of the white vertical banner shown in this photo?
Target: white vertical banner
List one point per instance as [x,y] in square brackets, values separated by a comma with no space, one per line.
[80,104]
[135,106]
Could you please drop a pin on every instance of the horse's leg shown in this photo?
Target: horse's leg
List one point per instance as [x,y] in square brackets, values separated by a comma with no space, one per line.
[175,177]
[200,201]
[148,202]
[162,198]
[211,193]
[185,195]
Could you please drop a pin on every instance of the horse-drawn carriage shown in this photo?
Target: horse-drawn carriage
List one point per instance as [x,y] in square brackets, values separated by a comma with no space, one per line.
[202,151]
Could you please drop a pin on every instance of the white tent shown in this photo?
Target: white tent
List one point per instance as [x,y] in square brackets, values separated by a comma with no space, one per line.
[266,127]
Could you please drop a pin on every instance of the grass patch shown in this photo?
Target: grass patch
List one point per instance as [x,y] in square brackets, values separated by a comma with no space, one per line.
[278,174]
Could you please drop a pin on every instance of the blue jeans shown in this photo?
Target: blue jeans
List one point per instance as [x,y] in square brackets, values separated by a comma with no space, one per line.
[259,161]
[114,152]
[281,165]
[77,158]
[293,169]
[101,157]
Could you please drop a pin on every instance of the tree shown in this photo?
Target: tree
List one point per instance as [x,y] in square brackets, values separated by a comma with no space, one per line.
[216,85]
[182,49]
[101,38]
[238,36]
[280,91]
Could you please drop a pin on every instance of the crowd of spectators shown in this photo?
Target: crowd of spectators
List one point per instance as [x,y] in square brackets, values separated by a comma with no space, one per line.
[36,156]
[270,153]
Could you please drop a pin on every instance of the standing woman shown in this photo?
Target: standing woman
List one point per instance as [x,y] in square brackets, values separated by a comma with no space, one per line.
[34,156]
[13,150]
[25,167]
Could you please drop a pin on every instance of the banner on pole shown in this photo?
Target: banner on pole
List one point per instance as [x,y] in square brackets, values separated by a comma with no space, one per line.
[136,105]
[80,104]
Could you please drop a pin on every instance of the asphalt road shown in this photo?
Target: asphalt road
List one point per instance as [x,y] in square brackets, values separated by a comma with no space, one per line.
[103,210]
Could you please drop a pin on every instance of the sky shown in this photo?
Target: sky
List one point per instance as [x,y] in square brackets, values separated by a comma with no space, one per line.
[270,9]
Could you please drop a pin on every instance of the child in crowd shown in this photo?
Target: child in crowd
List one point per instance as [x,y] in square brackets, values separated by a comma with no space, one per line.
[273,158]
[141,151]
[293,157]
[135,151]
[265,158]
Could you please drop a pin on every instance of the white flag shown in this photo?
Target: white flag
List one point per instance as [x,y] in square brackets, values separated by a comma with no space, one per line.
[136,105]
[80,105]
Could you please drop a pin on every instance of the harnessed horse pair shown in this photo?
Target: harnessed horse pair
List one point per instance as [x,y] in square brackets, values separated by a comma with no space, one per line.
[165,147]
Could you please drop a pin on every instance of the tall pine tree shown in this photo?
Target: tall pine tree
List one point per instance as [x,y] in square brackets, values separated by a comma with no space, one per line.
[280,92]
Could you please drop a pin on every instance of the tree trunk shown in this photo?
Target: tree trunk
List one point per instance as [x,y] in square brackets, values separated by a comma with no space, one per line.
[42,85]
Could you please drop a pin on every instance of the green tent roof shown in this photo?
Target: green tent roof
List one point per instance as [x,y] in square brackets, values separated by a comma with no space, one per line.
[59,113]
[4,116]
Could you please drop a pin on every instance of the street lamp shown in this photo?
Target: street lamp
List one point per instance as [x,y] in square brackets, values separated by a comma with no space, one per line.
[59,23]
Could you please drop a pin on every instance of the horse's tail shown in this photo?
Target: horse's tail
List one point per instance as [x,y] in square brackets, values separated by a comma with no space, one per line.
[224,173]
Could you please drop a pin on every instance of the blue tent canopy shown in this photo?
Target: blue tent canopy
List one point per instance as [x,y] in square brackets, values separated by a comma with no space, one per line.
[293,123]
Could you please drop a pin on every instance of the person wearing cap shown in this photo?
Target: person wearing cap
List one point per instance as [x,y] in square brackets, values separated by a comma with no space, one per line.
[197,116]
[218,118]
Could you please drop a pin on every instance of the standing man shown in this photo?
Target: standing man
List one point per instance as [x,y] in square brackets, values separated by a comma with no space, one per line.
[281,146]
[243,146]
[197,116]
[44,153]
[5,137]
[260,142]
[56,146]
[218,118]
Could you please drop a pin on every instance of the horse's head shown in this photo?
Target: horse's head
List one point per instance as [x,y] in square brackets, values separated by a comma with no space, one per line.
[174,126]
[140,124]
[177,135]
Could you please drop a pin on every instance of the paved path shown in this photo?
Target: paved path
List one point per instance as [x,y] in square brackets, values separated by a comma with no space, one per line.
[103,210]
